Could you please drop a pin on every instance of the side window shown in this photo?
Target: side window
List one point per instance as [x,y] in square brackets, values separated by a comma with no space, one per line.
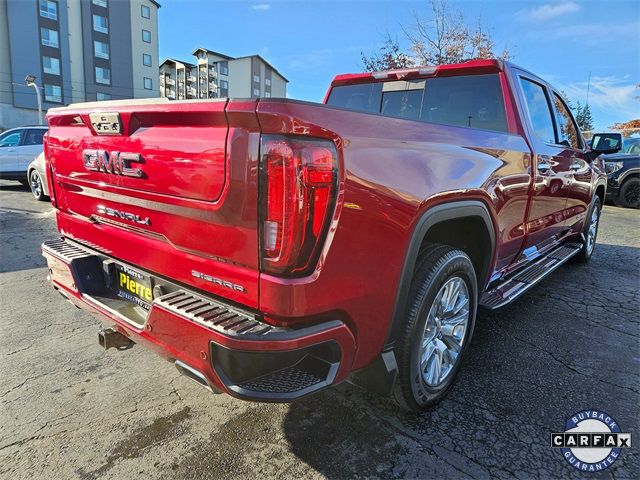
[567,130]
[539,110]
[34,137]
[10,139]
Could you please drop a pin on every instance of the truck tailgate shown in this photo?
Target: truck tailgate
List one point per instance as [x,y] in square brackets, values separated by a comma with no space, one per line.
[174,178]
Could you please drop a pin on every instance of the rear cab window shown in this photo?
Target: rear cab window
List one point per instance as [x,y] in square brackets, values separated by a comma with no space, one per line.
[473,101]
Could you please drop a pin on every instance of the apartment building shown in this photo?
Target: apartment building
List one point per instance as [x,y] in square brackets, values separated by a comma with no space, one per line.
[78,50]
[216,75]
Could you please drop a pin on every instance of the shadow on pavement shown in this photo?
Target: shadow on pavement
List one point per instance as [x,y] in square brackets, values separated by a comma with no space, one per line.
[569,344]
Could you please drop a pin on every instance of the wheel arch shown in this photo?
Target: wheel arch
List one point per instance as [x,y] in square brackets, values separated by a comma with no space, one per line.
[429,227]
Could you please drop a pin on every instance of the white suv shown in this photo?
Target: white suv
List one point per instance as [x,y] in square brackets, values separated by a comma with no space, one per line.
[18,147]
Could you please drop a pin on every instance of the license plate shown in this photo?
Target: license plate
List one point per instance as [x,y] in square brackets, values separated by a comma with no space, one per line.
[133,286]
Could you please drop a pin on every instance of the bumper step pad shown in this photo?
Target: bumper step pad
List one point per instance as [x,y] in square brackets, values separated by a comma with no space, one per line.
[515,285]
[215,315]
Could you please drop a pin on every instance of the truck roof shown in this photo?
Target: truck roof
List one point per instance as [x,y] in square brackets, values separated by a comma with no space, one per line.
[488,66]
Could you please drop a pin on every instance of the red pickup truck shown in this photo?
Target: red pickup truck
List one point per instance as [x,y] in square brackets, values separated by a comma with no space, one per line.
[271,248]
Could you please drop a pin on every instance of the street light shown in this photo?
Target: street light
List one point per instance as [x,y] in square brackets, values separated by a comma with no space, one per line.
[31,82]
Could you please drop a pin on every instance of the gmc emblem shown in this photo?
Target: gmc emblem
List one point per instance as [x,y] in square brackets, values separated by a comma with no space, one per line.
[117,163]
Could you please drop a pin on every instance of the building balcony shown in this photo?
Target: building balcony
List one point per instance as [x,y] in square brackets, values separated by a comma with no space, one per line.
[213,86]
[191,78]
[170,81]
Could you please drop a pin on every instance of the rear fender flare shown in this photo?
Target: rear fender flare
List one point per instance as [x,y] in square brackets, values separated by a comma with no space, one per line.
[431,217]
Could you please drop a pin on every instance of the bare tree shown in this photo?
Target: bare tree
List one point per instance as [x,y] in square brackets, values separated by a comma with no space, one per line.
[444,36]
[389,57]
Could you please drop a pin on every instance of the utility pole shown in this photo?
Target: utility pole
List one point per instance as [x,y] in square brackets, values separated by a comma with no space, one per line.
[31,82]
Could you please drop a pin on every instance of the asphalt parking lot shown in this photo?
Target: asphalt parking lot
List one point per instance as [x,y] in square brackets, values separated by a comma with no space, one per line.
[70,410]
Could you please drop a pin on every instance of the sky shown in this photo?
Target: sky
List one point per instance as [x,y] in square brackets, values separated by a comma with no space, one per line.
[310,42]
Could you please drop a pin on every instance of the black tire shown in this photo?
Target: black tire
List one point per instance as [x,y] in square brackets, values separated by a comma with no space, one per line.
[587,248]
[439,265]
[35,183]
[629,195]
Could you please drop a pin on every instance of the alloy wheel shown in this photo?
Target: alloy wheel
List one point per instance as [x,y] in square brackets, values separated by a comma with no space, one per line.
[36,185]
[593,229]
[445,331]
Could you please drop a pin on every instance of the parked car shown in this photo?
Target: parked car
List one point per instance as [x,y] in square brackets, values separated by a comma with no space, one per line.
[632,145]
[621,156]
[37,175]
[18,147]
[271,248]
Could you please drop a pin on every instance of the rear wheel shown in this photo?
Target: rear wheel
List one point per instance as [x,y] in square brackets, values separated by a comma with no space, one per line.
[590,231]
[437,328]
[35,182]
[630,193]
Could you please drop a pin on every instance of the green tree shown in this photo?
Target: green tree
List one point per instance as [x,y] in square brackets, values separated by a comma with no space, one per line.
[584,118]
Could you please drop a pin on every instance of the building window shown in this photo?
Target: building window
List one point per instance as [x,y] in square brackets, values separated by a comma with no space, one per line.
[267,94]
[146,36]
[101,49]
[145,11]
[224,68]
[51,65]
[256,92]
[100,24]
[256,78]
[103,75]
[52,93]
[49,9]
[148,83]
[267,82]
[100,3]
[224,84]
[146,59]
[49,37]
[103,96]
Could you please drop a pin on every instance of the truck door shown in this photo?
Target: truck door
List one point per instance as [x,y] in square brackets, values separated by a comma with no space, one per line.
[551,169]
[580,190]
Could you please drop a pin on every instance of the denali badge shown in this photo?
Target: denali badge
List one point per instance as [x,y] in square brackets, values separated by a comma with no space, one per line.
[217,281]
[118,163]
[106,123]
[123,215]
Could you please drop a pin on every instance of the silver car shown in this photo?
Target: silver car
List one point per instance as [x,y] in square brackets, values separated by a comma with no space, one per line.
[18,147]
[37,175]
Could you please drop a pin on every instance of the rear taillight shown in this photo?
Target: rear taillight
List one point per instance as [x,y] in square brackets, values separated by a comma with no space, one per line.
[299,183]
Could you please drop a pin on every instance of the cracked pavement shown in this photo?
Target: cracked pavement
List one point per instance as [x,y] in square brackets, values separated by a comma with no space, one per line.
[70,410]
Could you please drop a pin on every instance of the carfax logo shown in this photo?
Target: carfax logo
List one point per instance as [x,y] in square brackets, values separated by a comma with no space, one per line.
[592,441]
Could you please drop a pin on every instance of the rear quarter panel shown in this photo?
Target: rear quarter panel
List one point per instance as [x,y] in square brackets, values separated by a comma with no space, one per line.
[393,170]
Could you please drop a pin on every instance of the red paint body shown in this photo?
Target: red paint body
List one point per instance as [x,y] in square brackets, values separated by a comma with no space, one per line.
[201,186]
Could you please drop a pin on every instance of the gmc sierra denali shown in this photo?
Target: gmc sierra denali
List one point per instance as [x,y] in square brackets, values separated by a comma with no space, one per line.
[271,248]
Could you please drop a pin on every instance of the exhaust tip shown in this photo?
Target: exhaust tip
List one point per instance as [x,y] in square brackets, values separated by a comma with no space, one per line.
[110,338]
[195,375]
